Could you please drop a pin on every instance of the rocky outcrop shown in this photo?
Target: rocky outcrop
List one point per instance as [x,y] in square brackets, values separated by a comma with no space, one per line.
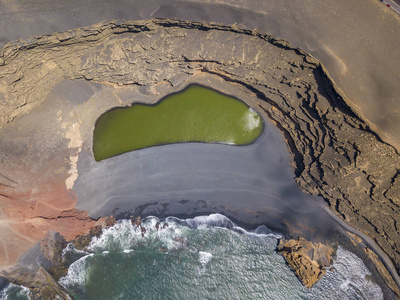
[307,260]
[335,154]
[41,275]
[52,247]
[83,240]
[41,284]
[42,280]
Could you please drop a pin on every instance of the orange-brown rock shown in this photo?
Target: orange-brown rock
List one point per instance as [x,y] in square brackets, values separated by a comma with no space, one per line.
[306,259]
[28,213]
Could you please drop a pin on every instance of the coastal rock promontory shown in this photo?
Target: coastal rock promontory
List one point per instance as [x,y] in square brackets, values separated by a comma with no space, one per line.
[308,260]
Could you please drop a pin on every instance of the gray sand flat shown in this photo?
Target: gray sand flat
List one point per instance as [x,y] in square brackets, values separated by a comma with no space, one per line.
[252,183]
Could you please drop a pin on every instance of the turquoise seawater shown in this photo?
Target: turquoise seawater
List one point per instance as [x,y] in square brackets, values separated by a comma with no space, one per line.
[202,258]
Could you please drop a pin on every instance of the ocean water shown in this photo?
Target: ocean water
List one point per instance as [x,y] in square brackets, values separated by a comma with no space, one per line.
[14,292]
[206,257]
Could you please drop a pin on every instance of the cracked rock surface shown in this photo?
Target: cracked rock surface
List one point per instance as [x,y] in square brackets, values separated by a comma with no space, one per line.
[308,260]
[334,153]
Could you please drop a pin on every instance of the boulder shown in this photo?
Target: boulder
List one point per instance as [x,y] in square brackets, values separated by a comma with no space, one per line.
[308,260]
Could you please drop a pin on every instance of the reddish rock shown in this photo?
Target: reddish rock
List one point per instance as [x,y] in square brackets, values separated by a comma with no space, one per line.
[29,213]
[110,221]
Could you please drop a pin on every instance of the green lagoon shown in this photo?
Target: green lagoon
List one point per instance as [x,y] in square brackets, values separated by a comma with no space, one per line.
[196,114]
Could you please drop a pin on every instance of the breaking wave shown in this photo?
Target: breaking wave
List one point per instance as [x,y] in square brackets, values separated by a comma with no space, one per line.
[203,257]
[15,292]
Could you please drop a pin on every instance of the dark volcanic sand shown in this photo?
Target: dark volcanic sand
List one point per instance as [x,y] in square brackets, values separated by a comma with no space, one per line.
[254,184]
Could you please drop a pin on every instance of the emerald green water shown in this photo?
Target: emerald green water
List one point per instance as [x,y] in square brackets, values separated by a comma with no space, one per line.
[196,114]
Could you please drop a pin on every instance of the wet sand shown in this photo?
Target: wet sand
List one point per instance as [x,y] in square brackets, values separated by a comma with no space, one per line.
[251,184]
[254,184]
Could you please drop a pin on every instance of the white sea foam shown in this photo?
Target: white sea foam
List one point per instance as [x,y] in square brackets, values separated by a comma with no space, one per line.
[251,119]
[204,257]
[218,220]
[71,248]
[348,280]
[263,235]
[345,284]
[123,236]
[263,230]
[117,237]
[354,273]
[24,291]
[258,232]
[77,274]
[349,277]
[210,220]
[170,233]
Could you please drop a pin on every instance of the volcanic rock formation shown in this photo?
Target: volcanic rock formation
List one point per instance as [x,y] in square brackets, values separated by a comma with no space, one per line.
[334,152]
[308,260]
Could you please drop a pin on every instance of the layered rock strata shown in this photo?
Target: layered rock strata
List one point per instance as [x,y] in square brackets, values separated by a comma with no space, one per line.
[335,154]
[308,260]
